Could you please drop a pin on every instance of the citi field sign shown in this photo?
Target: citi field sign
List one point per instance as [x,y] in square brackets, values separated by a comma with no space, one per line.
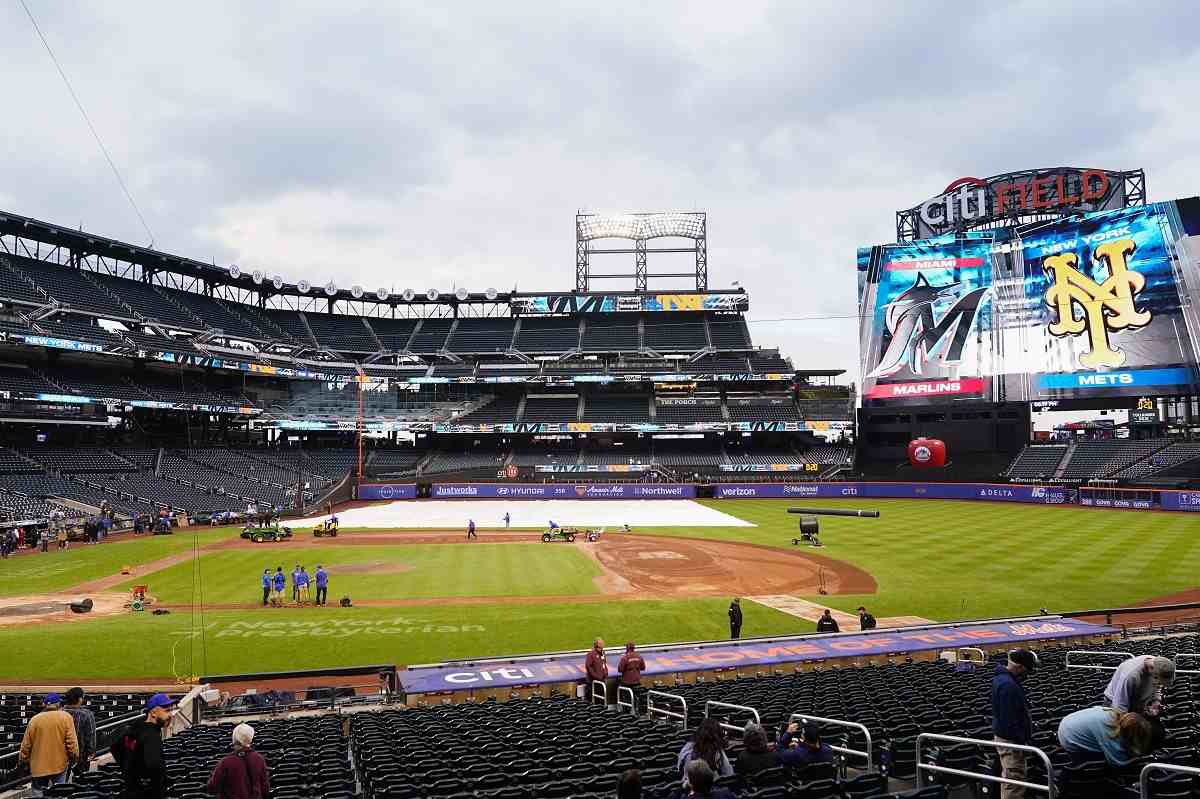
[970,202]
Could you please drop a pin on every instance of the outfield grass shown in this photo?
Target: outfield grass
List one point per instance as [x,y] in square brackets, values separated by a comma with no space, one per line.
[35,573]
[938,559]
[143,645]
[412,571]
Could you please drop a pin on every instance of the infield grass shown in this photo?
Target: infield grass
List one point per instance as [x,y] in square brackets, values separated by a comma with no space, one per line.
[412,571]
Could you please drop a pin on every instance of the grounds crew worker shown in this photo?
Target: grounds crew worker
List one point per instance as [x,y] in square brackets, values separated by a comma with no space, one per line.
[735,618]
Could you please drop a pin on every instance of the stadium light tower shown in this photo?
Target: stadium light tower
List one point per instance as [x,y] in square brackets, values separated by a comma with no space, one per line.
[640,228]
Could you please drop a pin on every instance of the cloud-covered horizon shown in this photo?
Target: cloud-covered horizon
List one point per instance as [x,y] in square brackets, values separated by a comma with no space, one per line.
[423,145]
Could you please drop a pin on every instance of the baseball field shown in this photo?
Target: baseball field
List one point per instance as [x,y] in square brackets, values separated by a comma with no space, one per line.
[421,592]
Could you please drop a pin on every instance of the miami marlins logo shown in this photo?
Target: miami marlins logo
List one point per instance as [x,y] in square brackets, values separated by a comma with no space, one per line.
[1105,307]
[914,336]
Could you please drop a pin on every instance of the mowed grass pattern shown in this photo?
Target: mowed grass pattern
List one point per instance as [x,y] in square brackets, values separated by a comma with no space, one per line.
[411,571]
[954,560]
[942,560]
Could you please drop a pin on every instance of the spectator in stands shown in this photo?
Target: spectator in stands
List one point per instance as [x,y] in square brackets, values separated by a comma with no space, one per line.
[266,586]
[698,782]
[805,750]
[139,751]
[1011,722]
[1136,686]
[596,664]
[85,727]
[755,755]
[735,619]
[629,784]
[49,745]
[1105,734]
[471,529]
[865,620]
[707,744]
[242,774]
[322,585]
[280,582]
[630,668]
[827,623]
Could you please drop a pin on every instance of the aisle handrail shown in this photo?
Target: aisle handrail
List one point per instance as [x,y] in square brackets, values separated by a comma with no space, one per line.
[922,767]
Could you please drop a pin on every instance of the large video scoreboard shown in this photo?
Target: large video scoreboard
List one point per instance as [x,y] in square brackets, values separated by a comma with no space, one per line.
[1103,304]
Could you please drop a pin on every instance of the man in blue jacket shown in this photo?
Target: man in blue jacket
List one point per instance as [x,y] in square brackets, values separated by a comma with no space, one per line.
[266,582]
[322,584]
[1010,717]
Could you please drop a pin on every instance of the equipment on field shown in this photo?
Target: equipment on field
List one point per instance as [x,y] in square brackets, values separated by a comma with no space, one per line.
[260,534]
[558,534]
[810,525]
[82,606]
[345,602]
[862,514]
[329,527]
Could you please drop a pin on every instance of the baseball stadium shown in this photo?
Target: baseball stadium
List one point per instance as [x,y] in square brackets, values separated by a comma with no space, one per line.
[431,511]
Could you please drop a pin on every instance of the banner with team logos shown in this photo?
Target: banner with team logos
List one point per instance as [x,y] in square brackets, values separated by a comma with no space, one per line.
[1103,305]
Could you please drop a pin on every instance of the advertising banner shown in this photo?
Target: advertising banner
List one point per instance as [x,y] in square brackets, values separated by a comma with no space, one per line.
[1181,500]
[997,492]
[1104,305]
[627,303]
[569,666]
[562,491]
[368,491]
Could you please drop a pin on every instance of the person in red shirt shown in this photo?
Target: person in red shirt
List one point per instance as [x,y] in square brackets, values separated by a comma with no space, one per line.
[596,665]
[630,668]
[243,774]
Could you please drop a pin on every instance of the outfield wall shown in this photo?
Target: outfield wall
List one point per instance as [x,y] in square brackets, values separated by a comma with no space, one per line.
[988,492]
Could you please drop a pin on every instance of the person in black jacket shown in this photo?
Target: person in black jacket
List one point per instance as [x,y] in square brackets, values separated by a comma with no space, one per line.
[827,623]
[1010,717]
[735,618]
[139,752]
[755,755]
[865,620]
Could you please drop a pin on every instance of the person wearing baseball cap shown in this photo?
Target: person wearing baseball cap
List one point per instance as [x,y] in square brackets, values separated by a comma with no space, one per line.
[1136,686]
[1011,722]
[49,745]
[242,774]
[139,751]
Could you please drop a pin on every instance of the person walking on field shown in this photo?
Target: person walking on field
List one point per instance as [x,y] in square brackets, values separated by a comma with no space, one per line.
[49,745]
[266,586]
[1011,722]
[507,520]
[735,619]
[471,529]
[827,623]
[243,774]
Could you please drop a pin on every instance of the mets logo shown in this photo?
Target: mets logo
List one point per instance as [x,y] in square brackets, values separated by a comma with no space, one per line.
[1083,305]
[922,454]
[914,336]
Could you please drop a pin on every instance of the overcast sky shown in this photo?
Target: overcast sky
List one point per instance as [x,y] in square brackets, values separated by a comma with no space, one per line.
[432,144]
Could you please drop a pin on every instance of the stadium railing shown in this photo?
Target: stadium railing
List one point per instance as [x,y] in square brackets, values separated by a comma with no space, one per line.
[923,767]
[1144,778]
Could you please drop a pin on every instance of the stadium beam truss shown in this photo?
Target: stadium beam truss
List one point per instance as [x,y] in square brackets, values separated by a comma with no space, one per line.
[640,228]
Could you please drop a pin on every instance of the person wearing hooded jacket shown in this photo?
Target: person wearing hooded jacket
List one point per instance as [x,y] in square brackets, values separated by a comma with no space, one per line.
[1011,722]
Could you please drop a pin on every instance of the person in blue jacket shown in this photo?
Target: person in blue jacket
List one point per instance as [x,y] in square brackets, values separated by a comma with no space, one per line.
[1011,722]
[266,586]
[280,582]
[471,529]
[322,584]
[1105,734]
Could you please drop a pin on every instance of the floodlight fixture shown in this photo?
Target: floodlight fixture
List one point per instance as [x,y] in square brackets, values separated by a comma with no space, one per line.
[303,286]
[356,291]
[432,294]
[382,293]
[408,295]
[257,276]
[235,271]
[462,294]
[331,288]
[491,293]
[277,282]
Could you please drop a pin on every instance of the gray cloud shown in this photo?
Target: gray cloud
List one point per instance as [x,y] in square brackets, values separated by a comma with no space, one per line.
[430,144]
